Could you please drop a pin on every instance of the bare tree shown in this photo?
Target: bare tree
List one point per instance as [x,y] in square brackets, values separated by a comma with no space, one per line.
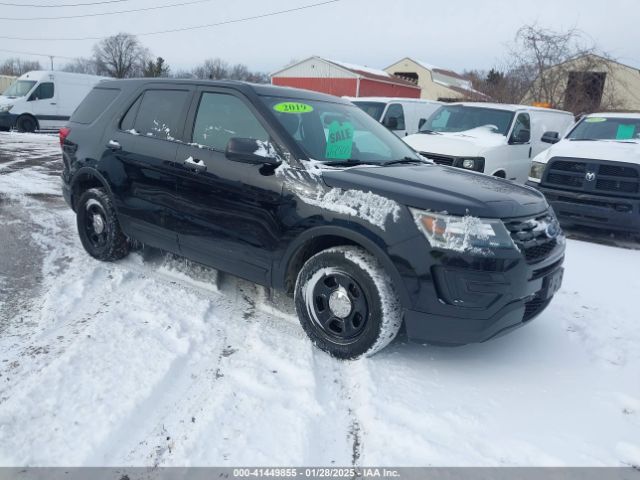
[81,65]
[157,68]
[502,85]
[17,66]
[560,69]
[212,69]
[120,56]
[218,69]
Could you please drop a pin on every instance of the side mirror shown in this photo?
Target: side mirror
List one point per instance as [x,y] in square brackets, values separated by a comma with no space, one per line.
[250,150]
[523,136]
[391,123]
[550,137]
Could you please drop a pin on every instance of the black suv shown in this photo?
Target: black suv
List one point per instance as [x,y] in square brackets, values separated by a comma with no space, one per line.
[305,192]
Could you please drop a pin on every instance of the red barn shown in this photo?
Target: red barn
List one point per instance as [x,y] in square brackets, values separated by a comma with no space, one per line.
[343,79]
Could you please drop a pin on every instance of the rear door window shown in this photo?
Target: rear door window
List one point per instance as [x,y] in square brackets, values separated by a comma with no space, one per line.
[222,116]
[98,100]
[161,114]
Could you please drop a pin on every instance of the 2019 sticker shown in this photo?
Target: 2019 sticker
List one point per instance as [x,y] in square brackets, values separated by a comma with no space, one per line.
[292,107]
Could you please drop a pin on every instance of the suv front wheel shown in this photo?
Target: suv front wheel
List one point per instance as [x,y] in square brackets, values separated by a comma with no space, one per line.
[346,302]
[98,226]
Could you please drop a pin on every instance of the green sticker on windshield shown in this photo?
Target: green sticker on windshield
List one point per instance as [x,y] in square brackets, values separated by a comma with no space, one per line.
[595,120]
[292,107]
[339,140]
[625,132]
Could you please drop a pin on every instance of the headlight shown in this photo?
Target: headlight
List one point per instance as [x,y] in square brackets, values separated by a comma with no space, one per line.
[476,164]
[5,108]
[537,169]
[478,236]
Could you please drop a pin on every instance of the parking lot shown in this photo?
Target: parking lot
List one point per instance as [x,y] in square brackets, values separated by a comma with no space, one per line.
[154,360]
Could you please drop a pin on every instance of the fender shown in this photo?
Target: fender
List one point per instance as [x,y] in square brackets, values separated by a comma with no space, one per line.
[84,172]
[279,272]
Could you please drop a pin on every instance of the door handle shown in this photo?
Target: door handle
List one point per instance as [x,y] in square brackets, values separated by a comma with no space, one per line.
[195,164]
[53,103]
[113,145]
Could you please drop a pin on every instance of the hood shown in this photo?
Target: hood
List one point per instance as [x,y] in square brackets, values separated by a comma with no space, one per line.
[438,188]
[617,151]
[471,143]
[7,100]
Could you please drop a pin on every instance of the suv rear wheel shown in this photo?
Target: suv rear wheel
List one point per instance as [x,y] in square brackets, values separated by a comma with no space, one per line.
[98,226]
[346,303]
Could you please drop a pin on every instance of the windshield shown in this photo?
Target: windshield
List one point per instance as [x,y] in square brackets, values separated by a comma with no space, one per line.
[459,118]
[606,128]
[336,132]
[19,88]
[374,109]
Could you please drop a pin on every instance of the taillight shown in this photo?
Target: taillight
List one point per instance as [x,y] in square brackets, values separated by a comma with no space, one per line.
[64,133]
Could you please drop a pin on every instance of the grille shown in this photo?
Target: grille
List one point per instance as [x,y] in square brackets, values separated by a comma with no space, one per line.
[564,180]
[439,159]
[565,166]
[610,178]
[533,307]
[617,171]
[617,186]
[530,236]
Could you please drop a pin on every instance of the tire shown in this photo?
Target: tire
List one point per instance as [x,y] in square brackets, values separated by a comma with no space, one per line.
[99,228]
[26,123]
[346,303]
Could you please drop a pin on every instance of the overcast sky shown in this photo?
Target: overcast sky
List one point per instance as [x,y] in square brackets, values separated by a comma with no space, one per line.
[460,34]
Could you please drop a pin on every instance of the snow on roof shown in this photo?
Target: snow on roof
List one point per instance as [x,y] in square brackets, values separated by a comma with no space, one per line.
[360,68]
[426,65]
[391,99]
[509,107]
[615,114]
[372,73]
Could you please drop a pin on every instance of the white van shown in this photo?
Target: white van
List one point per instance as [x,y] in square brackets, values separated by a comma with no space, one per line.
[43,100]
[404,116]
[495,139]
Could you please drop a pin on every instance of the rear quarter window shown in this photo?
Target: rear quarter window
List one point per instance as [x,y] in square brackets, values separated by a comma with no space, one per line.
[96,102]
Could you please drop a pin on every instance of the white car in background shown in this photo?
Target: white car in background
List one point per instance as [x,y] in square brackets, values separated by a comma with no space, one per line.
[592,176]
[43,100]
[496,139]
[403,116]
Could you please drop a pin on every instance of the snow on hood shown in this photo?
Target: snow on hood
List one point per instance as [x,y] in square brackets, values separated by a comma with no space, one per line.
[305,184]
[468,143]
[621,151]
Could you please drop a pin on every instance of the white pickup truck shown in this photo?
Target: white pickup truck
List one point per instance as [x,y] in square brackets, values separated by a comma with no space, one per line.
[592,176]
[495,139]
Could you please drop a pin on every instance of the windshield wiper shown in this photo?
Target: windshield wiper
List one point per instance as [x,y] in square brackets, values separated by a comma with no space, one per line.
[583,139]
[351,162]
[406,160]
[430,132]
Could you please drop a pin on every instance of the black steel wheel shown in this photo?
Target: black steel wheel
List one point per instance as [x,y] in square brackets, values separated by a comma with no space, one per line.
[339,306]
[98,226]
[346,303]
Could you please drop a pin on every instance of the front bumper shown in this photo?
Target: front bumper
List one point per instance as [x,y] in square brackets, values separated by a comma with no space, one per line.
[460,299]
[7,120]
[598,211]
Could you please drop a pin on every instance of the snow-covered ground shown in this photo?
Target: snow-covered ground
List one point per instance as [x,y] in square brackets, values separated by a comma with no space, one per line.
[151,361]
